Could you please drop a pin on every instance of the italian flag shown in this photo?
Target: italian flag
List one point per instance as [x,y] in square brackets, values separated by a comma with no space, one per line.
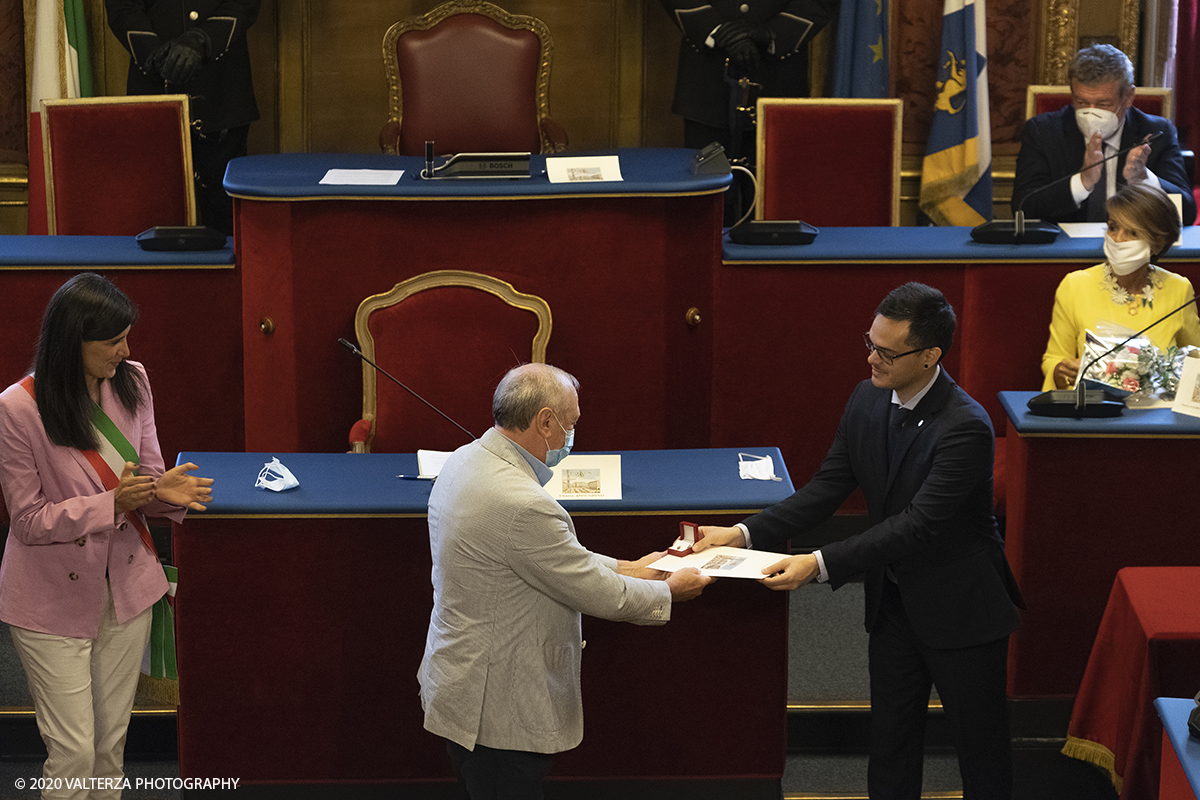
[61,69]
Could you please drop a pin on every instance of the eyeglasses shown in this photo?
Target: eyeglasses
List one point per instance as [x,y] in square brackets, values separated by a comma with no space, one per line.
[884,355]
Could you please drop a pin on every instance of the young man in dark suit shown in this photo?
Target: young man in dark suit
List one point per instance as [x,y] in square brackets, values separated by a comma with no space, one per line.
[940,598]
[1100,122]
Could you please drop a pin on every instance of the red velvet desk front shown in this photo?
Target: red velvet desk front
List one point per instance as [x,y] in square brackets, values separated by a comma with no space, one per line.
[1085,499]
[301,620]
[620,264]
[1148,646]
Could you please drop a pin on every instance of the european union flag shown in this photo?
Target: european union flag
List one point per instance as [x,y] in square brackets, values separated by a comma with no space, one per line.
[861,68]
[956,177]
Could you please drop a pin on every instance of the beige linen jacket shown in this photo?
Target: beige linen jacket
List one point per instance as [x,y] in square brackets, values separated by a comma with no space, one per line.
[510,580]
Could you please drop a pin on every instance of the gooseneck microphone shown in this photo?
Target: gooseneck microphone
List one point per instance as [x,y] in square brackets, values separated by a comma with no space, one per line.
[1019,230]
[353,349]
[1081,402]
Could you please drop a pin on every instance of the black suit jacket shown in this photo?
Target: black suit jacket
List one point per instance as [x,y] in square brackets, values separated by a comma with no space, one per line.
[1052,147]
[700,92]
[930,509]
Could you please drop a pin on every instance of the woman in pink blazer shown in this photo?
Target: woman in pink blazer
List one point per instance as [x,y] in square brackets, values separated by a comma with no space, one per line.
[80,466]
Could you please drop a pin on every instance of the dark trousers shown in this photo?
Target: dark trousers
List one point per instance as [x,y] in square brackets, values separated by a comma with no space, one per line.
[211,153]
[971,683]
[489,774]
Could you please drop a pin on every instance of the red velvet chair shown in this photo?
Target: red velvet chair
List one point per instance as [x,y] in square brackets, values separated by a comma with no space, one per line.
[117,165]
[469,77]
[1040,98]
[450,336]
[800,178]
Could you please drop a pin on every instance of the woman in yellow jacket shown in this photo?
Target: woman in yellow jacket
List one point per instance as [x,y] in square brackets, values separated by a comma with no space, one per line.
[1128,289]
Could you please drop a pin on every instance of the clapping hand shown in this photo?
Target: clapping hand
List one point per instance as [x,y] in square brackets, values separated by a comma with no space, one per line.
[133,490]
[1135,163]
[176,486]
[1094,155]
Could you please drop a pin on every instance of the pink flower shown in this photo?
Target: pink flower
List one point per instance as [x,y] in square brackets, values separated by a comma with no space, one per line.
[1134,350]
[1130,384]
[1111,368]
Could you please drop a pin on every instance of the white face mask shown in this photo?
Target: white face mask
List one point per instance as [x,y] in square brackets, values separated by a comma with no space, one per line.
[554,457]
[276,477]
[1126,257]
[1096,120]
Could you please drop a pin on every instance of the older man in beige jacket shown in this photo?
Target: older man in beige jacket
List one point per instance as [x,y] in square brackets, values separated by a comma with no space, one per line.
[500,676]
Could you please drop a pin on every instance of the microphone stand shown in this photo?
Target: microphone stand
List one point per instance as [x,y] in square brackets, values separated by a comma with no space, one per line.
[1018,230]
[1080,402]
[353,349]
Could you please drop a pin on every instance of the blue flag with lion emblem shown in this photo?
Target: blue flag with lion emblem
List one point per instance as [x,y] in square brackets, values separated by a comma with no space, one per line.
[956,176]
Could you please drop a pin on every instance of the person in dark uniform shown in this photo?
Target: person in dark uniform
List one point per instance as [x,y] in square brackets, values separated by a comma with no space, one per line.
[197,48]
[763,41]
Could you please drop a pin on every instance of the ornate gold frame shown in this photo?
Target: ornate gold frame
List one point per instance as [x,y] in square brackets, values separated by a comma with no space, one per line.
[1061,36]
[435,280]
[179,100]
[483,8]
[897,138]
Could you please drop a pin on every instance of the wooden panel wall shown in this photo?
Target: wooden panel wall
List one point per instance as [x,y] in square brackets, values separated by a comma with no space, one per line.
[613,71]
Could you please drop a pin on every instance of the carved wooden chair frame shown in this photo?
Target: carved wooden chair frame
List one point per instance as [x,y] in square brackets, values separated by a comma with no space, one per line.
[482,8]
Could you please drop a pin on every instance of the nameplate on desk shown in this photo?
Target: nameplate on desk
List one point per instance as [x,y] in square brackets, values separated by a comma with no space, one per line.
[468,166]
[587,477]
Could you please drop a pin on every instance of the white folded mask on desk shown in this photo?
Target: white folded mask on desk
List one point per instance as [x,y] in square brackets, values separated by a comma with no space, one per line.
[756,468]
[276,477]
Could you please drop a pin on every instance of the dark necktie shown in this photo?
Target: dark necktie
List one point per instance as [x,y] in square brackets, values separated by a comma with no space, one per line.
[898,416]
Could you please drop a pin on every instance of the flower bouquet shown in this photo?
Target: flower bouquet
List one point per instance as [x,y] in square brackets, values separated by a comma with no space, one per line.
[1135,368]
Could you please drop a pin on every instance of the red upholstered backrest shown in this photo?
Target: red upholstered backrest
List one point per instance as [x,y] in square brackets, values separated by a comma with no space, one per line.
[451,345]
[1052,98]
[117,168]
[469,84]
[829,163]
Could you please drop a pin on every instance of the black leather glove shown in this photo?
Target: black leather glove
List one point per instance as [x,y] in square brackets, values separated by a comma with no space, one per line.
[760,33]
[184,56]
[734,38]
[154,62]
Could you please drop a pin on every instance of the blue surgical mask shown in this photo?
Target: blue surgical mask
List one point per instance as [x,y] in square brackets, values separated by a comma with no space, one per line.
[553,457]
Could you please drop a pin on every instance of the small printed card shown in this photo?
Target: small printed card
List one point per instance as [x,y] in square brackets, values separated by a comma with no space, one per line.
[583,169]
[1187,396]
[586,477]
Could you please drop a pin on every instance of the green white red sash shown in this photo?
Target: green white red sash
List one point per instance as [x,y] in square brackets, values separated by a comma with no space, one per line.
[109,461]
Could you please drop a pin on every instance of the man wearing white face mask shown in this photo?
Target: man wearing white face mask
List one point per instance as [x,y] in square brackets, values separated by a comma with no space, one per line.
[1100,122]
[500,676]
[1128,289]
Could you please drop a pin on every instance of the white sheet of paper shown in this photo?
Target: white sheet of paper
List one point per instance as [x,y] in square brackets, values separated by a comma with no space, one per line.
[583,169]
[589,477]
[430,462]
[722,562]
[1084,230]
[362,177]
[1187,396]
[1095,230]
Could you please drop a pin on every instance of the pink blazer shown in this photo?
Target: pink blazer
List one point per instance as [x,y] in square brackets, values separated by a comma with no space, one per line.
[64,534]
